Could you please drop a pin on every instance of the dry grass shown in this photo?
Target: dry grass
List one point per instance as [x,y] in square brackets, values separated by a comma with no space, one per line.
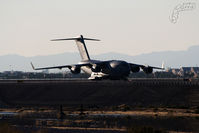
[103,120]
[148,112]
[6,128]
[144,130]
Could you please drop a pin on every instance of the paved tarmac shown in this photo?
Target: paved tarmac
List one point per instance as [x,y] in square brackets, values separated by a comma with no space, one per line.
[135,92]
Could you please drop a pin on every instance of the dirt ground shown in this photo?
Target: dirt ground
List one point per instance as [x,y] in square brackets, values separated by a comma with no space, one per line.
[166,119]
[33,106]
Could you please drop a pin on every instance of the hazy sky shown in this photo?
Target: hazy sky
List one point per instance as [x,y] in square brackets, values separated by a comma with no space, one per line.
[125,26]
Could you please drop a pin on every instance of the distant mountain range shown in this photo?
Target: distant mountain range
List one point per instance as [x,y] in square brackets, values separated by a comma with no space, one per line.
[171,59]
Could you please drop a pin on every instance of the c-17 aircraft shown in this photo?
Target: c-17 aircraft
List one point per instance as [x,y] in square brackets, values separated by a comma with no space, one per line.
[111,69]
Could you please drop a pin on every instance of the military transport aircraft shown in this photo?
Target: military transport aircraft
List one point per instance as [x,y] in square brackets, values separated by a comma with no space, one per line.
[111,69]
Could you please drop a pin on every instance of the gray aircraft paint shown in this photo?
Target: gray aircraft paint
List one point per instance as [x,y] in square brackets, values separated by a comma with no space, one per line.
[111,69]
[82,48]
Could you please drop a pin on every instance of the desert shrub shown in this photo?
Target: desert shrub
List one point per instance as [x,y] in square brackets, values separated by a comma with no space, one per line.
[197,117]
[197,111]
[155,109]
[40,131]
[188,111]
[6,128]
[144,129]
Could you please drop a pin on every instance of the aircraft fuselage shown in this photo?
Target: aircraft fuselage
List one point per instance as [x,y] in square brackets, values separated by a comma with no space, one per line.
[112,69]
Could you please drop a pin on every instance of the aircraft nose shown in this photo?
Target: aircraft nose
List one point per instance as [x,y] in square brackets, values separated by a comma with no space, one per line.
[118,64]
[119,68]
[114,64]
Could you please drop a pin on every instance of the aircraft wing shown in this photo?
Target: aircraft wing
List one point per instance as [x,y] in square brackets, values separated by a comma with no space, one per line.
[60,67]
[143,66]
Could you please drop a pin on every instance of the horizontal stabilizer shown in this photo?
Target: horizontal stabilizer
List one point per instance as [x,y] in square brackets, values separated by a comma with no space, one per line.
[80,44]
[76,39]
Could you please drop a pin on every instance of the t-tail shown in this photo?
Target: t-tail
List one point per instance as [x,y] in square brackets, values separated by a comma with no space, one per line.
[81,45]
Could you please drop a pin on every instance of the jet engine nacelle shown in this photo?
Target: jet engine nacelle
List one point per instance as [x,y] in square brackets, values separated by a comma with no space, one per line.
[135,69]
[148,70]
[75,70]
[96,68]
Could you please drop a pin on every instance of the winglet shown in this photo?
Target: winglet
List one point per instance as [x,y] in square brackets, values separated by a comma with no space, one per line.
[32,66]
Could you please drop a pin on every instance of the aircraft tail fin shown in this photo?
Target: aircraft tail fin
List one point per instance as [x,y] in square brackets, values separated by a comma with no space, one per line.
[81,45]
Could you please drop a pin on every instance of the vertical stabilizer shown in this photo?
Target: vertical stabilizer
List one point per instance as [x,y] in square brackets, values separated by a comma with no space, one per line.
[81,45]
[82,48]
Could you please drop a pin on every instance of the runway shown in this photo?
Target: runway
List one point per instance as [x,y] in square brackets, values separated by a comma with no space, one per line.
[135,92]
